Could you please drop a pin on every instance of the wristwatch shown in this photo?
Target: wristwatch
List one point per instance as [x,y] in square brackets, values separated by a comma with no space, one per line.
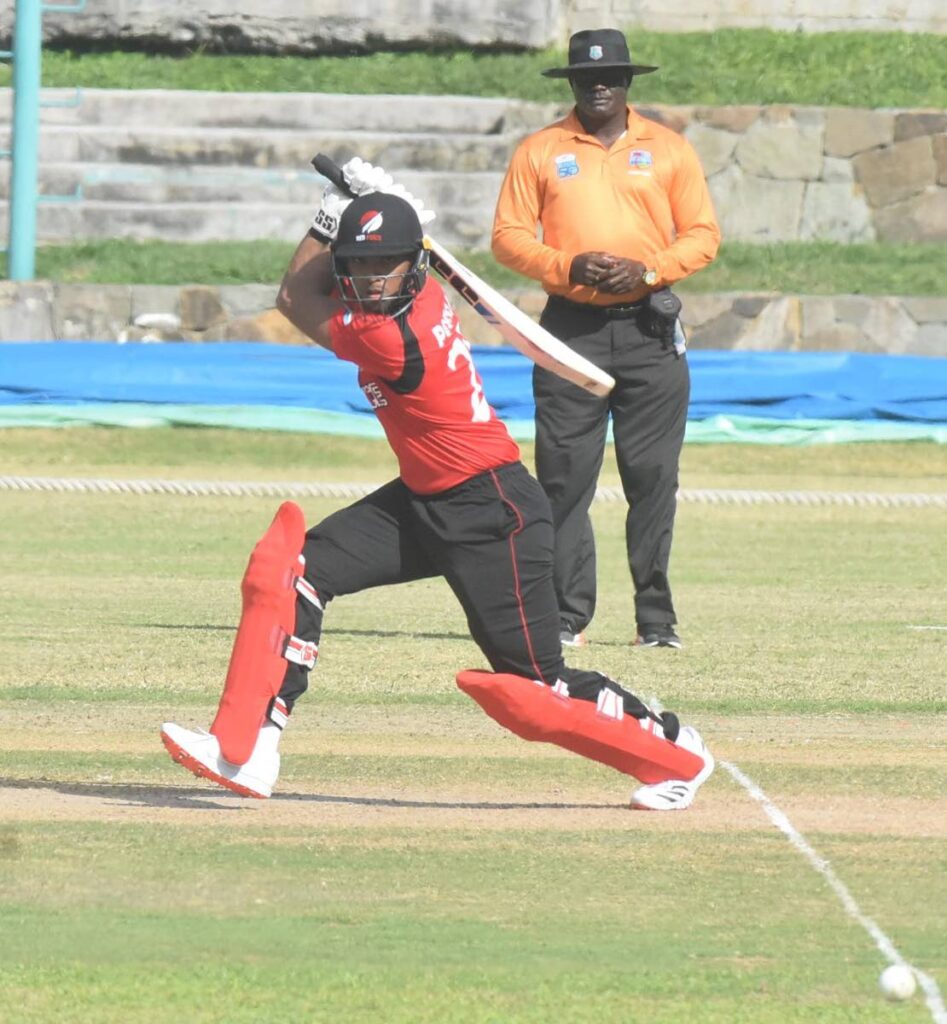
[650,277]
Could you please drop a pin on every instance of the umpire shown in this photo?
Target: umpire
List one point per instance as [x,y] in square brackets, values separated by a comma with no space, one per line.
[624,212]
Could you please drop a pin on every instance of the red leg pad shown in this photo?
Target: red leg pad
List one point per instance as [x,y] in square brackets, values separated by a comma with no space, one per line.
[268,617]
[534,711]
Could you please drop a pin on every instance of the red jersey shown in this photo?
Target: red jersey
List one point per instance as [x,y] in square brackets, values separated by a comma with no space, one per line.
[418,373]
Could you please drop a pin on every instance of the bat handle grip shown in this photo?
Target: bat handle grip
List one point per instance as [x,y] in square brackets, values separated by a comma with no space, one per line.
[331,171]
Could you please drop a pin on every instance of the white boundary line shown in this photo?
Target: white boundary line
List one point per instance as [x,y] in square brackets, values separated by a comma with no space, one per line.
[225,488]
[927,627]
[935,1002]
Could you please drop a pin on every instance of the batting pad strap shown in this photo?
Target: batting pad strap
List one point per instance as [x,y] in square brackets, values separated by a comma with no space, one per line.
[301,652]
[308,592]
[560,688]
[610,705]
[600,731]
[278,713]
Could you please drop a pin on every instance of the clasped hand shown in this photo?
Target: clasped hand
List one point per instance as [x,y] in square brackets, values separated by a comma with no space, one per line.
[606,273]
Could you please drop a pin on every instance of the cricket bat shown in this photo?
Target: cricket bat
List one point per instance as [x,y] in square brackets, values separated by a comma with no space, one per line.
[522,332]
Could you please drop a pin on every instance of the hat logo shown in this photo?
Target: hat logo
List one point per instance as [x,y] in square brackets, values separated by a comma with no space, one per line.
[371,221]
[596,53]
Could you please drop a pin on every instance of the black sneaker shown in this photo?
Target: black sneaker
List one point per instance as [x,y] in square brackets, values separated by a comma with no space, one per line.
[569,639]
[658,634]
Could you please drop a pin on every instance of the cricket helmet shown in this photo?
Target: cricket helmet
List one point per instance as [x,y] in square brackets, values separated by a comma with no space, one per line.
[379,224]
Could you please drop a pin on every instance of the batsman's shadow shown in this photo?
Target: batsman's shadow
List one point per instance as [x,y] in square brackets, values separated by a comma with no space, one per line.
[220,799]
[446,805]
[329,634]
[133,795]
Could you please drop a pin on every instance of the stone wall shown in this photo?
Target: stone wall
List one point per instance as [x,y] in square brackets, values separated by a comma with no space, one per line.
[784,15]
[299,26]
[43,310]
[196,166]
[291,26]
[783,173]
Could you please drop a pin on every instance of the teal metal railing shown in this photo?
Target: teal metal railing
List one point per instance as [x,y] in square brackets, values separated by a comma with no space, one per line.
[27,66]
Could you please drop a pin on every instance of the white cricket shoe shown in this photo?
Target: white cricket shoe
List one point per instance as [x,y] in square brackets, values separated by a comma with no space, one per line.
[676,794]
[199,752]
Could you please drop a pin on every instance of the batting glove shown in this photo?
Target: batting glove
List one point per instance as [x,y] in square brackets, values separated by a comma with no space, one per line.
[425,216]
[325,224]
[364,177]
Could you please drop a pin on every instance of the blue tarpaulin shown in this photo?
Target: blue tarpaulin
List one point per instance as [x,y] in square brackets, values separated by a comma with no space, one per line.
[282,387]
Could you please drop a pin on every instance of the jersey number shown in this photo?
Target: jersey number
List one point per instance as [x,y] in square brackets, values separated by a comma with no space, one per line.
[460,349]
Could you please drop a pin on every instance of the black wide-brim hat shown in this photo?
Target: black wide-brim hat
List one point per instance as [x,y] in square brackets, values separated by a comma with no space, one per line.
[378,224]
[598,48]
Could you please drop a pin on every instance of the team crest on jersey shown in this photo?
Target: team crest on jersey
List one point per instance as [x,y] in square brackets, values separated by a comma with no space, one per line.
[595,52]
[567,165]
[640,161]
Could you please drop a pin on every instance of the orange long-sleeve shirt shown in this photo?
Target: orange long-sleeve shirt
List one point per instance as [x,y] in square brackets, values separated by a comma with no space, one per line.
[644,199]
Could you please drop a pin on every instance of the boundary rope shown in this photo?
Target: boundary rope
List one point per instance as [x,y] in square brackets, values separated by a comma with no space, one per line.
[234,489]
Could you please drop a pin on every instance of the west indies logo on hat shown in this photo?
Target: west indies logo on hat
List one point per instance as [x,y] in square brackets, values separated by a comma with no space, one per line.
[598,48]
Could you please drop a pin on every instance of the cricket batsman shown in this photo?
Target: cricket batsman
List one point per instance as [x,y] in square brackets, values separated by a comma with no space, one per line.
[463,507]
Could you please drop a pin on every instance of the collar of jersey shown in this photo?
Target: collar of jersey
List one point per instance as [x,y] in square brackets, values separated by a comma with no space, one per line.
[638,128]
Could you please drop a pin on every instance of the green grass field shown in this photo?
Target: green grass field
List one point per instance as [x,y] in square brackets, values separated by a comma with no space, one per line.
[755,66]
[801,268]
[418,864]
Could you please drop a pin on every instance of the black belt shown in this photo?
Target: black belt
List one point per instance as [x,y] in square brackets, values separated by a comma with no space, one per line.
[617,312]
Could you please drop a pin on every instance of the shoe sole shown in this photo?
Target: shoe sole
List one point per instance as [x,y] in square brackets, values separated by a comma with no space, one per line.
[658,643]
[186,760]
[697,781]
[680,805]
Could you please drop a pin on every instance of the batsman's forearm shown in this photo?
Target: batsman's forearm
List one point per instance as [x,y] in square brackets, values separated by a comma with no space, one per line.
[310,269]
[304,296]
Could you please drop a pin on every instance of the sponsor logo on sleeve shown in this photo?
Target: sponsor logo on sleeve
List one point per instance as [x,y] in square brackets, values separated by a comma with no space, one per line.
[567,165]
[374,394]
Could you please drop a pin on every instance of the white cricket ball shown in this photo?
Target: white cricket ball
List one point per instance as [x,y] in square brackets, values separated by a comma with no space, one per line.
[898,982]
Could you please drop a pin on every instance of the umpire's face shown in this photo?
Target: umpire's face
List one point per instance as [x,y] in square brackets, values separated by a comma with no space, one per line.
[600,93]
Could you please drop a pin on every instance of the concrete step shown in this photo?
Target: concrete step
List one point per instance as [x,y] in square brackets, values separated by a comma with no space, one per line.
[194,166]
[59,222]
[150,183]
[147,108]
[463,203]
[247,147]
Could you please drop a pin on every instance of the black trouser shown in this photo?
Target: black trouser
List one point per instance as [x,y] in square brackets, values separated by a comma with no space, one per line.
[490,537]
[648,409]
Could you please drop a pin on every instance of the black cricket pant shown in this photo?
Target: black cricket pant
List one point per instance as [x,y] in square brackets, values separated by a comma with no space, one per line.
[648,410]
[490,537]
